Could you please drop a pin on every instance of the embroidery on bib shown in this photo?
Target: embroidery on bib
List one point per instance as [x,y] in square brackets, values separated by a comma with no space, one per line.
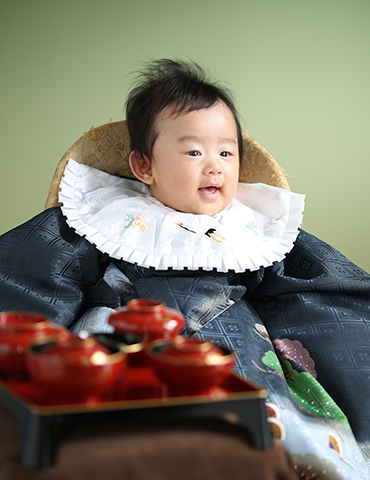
[252,227]
[138,221]
[183,226]
[211,233]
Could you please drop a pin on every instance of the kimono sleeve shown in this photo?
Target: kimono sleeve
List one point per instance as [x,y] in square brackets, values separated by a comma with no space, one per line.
[46,267]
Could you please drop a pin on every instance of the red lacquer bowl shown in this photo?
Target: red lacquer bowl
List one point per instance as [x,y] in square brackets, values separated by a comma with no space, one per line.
[17,330]
[77,368]
[190,364]
[149,319]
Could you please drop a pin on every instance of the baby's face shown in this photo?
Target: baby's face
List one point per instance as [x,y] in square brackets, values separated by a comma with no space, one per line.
[195,160]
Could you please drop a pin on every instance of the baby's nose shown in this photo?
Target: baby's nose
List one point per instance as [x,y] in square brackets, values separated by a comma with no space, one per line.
[213,167]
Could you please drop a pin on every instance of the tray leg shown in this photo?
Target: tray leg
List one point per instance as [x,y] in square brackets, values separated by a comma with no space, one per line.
[37,445]
[254,419]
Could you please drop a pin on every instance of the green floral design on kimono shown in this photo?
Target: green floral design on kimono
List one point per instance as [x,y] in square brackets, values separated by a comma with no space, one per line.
[271,360]
[306,390]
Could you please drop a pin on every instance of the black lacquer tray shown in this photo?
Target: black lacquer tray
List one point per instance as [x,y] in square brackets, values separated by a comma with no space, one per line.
[140,396]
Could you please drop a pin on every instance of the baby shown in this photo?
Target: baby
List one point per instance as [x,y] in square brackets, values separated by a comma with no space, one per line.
[230,256]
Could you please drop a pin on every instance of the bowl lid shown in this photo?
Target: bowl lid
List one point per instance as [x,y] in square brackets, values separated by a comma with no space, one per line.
[143,315]
[193,351]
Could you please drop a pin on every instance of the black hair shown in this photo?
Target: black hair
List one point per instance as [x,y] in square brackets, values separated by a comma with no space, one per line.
[180,86]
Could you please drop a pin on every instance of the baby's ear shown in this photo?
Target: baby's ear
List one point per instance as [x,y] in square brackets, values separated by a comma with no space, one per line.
[140,167]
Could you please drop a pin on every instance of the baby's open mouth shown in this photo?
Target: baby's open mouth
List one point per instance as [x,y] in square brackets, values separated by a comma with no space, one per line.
[211,189]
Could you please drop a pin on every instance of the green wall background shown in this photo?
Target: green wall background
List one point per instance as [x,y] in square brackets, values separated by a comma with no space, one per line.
[300,72]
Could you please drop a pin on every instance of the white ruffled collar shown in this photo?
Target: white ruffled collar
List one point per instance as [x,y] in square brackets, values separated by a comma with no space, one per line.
[122,219]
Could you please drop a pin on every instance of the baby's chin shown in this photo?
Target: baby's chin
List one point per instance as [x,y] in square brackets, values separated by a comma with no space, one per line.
[207,210]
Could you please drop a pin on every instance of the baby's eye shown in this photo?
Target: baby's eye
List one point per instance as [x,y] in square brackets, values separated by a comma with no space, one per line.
[225,154]
[193,153]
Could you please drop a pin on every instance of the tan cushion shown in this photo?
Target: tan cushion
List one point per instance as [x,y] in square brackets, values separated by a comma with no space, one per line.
[107,148]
